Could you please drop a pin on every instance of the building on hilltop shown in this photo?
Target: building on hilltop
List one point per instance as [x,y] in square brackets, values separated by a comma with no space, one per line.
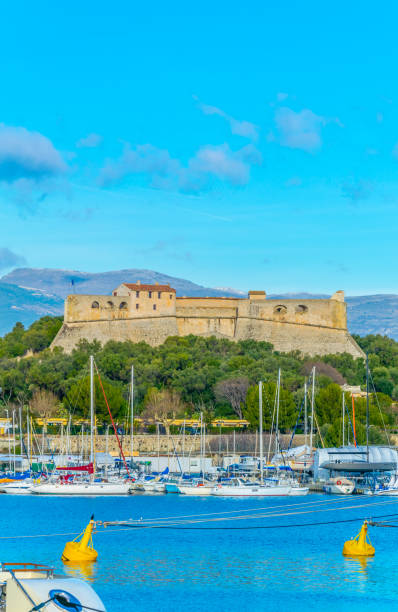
[151,313]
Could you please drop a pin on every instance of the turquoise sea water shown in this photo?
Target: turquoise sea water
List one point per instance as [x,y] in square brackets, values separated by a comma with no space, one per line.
[257,569]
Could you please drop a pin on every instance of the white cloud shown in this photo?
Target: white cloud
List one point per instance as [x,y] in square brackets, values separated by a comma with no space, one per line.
[227,165]
[164,172]
[238,127]
[90,141]
[302,129]
[280,96]
[144,159]
[27,155]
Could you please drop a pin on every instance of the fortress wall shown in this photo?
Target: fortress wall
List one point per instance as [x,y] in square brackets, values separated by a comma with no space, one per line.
[221,326]
[80,307]
[326,313]
[154,331]
[313,326]
[209,302]
[308,339]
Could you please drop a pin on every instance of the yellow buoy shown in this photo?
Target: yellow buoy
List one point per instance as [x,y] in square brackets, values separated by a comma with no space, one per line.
[82,550]
[360,546]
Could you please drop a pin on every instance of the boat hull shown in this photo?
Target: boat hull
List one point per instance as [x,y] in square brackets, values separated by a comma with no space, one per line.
[94,489]
[297,491]
[196,490]
[26,490]
[248,491]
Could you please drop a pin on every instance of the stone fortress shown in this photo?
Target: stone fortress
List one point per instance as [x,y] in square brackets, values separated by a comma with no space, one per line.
[151,313]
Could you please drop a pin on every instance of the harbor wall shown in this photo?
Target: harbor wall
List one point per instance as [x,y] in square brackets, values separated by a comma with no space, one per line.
[149,444]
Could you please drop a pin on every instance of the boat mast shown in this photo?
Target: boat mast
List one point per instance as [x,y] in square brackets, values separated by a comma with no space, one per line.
[343,409]
[132,417]
[367,407]
[305,415]
[277,412]
[260,427]
[92,411]
[9,440]
[107,450]
[312,405]
[13,435]
[20,433]
[158,437]
[201,443]
[28,435]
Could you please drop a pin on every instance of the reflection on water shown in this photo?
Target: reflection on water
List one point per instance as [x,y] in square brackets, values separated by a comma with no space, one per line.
[358,564]
[85,570]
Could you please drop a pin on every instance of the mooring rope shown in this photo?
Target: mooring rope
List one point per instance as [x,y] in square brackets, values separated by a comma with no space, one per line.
[195,521]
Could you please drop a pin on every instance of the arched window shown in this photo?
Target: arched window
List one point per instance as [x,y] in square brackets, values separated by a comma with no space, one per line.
[123,306]
[301,309]
[280,309]
[95,305]
[109,304]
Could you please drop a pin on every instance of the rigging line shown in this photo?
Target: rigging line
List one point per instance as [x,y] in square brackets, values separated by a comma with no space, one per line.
[378,405]
[255,516]
[296,425]
[112,421]
[72,406]
[133,527]
[349,418]
[252,527]
[282,506]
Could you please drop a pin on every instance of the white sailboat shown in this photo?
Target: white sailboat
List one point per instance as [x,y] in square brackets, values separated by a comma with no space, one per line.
[17,487]
[238,488]
[81,488]
[268,488]
[90,487]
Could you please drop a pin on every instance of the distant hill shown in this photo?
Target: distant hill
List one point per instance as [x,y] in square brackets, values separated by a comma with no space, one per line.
[59,282]
[29,293]
[25,305]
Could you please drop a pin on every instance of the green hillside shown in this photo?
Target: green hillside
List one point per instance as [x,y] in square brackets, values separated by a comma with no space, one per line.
[216,376]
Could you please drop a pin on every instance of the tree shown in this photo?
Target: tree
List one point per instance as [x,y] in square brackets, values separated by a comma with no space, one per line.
[287,407]
[326,369]
[234,391]
[163,406]
[44,404]
[78,399]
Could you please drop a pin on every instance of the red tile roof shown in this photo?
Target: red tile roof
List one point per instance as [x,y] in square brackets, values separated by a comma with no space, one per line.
[142,287]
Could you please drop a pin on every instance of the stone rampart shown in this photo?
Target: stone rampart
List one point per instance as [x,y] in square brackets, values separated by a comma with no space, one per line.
[310,326]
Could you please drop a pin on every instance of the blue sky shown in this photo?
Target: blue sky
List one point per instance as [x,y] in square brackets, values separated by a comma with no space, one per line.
[251,145]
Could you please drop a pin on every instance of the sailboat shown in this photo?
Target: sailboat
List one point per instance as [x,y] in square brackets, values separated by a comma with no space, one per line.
[89,487]
[18,485]
[199,486]
[236,487]
[280,456]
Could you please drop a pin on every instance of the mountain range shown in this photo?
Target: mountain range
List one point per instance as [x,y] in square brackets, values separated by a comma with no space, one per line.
[29,293]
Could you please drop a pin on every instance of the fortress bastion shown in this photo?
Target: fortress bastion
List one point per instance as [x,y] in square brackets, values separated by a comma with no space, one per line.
[151,313]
